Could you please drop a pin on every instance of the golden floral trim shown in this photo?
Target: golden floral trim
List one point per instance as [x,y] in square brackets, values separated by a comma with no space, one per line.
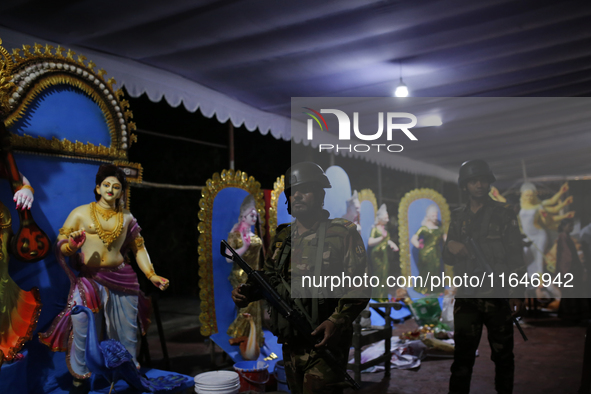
[108,237]
[6,85]
[278,187]
[403,232]
[65,148]
[218,182]
[368,195]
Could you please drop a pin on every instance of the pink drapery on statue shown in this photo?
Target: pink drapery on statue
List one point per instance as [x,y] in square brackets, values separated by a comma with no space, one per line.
[121,278]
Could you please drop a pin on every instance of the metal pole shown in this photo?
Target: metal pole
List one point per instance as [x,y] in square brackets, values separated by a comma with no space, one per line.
[231,143]
[586,373]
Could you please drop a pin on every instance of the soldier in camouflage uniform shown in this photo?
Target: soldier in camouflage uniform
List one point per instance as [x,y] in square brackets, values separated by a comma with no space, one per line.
[294,250]
[494,228]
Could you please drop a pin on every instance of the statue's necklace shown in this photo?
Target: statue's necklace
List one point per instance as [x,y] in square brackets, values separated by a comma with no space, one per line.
[108,237]
[105,213]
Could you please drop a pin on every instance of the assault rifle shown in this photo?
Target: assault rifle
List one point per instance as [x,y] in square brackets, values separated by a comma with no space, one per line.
[292,315]
[483,266]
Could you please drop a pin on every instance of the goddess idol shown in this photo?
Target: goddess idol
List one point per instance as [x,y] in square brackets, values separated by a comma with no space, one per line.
[248,245]
[97,237]
[19,308]
[429,240]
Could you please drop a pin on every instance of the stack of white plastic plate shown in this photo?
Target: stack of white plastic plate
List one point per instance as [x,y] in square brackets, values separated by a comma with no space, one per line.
[217,382]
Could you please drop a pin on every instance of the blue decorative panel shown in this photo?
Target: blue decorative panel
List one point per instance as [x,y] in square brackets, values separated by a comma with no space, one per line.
[63,111]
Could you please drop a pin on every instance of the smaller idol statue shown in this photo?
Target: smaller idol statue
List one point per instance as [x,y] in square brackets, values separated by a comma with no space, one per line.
[380,245]
[536,217]
[354,210]
[429,241]
[248,245]
[19,309]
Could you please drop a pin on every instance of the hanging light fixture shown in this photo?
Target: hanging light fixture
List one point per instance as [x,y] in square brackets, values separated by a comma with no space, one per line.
[401,89]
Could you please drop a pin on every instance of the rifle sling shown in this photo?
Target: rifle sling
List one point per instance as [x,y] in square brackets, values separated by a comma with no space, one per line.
[318,268]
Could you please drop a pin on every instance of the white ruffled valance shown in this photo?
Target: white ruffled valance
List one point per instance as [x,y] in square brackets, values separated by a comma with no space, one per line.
[139,78]
[158,84]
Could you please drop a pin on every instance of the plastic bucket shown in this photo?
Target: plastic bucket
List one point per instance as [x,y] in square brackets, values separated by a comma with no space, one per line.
[253,375]
[281,377]
[217,382]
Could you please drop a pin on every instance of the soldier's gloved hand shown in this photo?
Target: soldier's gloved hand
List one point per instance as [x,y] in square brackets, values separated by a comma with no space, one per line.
[329,328]
[457,249]
[239,297]
[517,306]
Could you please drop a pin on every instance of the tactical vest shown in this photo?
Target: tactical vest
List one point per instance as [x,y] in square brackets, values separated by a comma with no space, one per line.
[317,308]
[489,236]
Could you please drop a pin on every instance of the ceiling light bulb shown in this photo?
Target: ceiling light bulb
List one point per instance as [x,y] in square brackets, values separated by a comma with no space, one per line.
[401,90]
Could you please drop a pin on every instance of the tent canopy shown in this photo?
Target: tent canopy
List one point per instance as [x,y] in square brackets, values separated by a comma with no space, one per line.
[244,60]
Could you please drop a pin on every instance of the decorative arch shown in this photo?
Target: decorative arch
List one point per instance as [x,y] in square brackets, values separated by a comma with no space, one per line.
[26,74]
[213,186]
[404,226]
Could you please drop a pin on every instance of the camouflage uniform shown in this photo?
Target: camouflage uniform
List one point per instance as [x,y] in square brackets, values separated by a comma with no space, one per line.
[495,229]
[343,248]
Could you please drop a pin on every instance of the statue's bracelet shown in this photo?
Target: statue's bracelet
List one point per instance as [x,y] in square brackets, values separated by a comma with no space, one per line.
[69,251]
[26,187]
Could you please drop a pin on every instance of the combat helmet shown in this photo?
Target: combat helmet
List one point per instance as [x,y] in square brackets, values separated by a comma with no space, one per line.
[475,168]
[306,172]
